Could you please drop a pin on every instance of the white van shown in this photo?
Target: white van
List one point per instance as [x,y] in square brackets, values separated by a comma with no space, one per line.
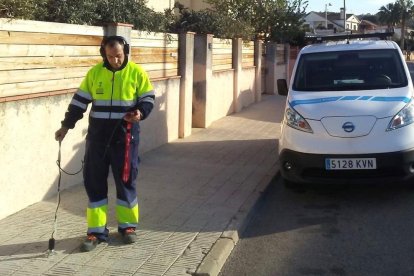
[348,115]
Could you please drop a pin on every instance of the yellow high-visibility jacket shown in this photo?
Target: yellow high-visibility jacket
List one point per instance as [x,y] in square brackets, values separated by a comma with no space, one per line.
[112,94]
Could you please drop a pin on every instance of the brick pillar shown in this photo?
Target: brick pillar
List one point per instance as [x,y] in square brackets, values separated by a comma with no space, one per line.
[237,66]
[203,45]
[258,46]
[288,63]
[120,29]
[271,49]
[186,66]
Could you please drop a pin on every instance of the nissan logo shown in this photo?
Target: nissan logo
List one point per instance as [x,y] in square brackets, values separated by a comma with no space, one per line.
[348,127]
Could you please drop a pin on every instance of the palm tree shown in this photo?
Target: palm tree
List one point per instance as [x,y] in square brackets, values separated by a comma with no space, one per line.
[390,14]
[407,10]
[397,13]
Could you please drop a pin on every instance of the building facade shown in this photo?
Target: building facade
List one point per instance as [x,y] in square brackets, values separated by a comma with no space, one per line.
[316,21]
[161,5]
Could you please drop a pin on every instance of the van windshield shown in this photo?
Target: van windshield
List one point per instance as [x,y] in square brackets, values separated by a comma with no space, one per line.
[350,70]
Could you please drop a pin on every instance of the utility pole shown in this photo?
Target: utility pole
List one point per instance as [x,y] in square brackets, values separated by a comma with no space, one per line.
[326,14]
[344,17]
[405,9]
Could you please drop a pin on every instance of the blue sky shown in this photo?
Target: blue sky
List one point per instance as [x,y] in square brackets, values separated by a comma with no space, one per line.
[352,6]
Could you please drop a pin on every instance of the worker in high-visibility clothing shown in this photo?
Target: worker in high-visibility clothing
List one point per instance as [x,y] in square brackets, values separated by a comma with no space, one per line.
[120,92]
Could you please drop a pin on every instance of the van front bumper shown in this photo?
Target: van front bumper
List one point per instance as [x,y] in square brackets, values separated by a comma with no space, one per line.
[310,168]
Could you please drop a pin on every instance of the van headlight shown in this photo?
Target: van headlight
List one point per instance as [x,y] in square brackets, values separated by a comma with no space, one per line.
[295,120]
[403,118]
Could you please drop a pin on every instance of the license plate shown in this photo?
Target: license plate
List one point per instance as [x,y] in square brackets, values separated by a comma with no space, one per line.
[350,163]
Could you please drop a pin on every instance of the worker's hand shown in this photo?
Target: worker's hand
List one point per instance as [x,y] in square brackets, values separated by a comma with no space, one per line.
[61,133]
[133,117]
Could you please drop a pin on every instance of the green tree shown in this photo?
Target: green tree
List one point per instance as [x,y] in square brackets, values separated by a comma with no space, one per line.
[235,17]
[207,21]
[90,12]
[130,11]
[22,9]
[71,11]
[187,20]
[280,21]
[276,20]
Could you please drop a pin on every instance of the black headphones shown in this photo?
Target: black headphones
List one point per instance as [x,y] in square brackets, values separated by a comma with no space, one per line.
[108,39]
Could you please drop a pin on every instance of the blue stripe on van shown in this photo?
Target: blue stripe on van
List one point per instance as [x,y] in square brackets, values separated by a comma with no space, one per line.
[315,101]
[364,98]
[391,99]
[351,98]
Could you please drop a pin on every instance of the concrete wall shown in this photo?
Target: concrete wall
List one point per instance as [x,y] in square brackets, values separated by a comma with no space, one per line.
[220,95]
[238,82]
[161,126]
[247,86]
[29,151]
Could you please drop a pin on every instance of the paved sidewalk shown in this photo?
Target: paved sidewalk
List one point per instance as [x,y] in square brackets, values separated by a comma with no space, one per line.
[194,195]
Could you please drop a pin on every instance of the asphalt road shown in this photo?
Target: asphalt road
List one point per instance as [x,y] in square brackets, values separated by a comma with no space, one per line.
[347,230]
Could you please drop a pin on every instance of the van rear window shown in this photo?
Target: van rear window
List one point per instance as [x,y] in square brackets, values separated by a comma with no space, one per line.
[350,70]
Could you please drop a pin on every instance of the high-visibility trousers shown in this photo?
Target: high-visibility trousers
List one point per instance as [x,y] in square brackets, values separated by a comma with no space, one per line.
[95,173]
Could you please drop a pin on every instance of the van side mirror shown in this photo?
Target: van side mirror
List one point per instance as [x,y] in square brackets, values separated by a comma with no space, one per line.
[282,88]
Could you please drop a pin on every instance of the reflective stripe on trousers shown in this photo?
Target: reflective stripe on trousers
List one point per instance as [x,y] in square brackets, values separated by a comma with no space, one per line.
[96,216]
[127,214]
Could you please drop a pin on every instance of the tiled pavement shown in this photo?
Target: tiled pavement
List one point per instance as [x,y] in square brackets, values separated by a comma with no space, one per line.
[192,192]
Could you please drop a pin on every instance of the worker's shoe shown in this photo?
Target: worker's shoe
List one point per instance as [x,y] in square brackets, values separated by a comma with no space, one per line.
[129,235]
[90,243]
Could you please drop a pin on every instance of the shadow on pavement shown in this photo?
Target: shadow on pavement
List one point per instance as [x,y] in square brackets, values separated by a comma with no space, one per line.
[37,249]
[261,113]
